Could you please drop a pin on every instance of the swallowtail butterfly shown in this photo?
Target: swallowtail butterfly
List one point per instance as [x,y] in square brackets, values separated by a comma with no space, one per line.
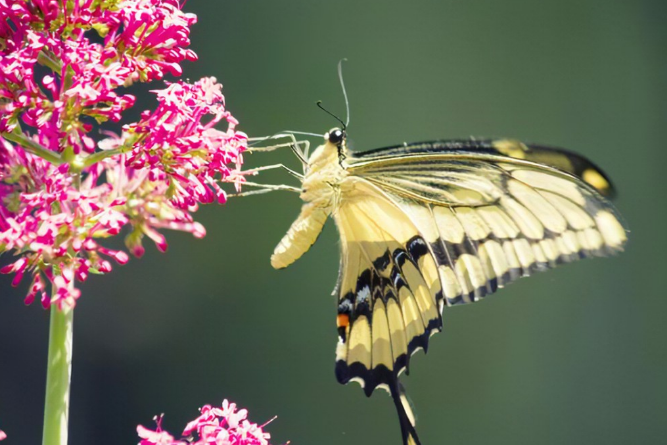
[434,224]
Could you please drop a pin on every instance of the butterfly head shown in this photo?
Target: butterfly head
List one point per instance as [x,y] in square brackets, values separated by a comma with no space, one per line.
[337,138]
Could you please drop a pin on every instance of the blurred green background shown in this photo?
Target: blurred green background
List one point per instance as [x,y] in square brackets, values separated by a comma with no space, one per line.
[573,356]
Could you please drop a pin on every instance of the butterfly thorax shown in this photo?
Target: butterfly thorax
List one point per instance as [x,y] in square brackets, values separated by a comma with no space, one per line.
[325,177]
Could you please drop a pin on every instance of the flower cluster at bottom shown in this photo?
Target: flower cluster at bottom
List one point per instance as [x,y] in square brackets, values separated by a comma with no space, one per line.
[214,426]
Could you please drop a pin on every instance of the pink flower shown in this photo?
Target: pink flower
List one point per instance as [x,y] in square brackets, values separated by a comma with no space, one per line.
[2,435]
[62,191]
[150,51]
[214,426]
[143,40]
[157,437]
[182,150]
[54,224]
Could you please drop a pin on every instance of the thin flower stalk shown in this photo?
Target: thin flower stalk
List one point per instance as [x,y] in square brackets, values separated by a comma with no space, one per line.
[56,406]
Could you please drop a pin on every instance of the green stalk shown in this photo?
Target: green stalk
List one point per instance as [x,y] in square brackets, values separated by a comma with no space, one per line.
[33,147]
[58,375]
[102,155]
[47,58]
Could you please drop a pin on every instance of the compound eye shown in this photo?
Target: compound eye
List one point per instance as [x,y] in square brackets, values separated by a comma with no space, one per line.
[336,136]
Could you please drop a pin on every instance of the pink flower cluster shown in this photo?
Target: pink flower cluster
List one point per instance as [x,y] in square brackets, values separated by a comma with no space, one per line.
[173,136]
[215,426]
[143,40]
[63,190]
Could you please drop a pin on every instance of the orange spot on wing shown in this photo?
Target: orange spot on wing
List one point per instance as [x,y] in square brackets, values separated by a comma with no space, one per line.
[343,320]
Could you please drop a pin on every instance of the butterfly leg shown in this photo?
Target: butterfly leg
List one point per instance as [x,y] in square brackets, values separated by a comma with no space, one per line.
[294,144]
[264,188]
[272,167]
[252,192]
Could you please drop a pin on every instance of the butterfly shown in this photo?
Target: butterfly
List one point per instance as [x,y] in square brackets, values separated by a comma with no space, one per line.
[433,224]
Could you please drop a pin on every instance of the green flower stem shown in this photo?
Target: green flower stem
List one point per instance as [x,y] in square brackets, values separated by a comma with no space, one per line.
[33,147]
[48,59]
[58,375]
[101,155]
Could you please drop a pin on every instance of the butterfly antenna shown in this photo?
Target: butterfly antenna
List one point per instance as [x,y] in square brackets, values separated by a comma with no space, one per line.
[319,104]
[342,85]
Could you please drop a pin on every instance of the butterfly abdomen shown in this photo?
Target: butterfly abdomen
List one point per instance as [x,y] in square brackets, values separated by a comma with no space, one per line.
[320,191]
[301,235]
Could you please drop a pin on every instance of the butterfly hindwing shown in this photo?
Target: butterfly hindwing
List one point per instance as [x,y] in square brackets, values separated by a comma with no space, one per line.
[390,297]
[386,283]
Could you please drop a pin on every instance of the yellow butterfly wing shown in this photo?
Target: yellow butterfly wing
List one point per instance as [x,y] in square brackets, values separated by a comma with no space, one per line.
[429,228]
[435,224]
[390,297]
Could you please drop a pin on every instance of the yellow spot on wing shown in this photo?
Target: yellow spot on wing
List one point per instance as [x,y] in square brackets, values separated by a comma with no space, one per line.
[539,253]
[510,255]
[421,291]
[524,253]
[590,239]
[545,181]
[414,326]
[538,206]
[550,249]
[612,231]
[512,148]
[473,224]
[493,259]
[451,287]
[429,270]
[473,270]
[449,226]
[571,241]
[576,216]
[527,222]
[359,349]
[594,178]
[381,339]
[399,344]
[501,224]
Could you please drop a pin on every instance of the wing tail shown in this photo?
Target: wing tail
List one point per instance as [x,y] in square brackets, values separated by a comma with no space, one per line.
[406,417]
